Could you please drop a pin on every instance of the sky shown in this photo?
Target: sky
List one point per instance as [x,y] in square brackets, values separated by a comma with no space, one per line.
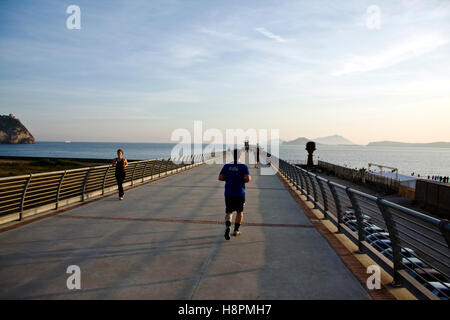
[137,70]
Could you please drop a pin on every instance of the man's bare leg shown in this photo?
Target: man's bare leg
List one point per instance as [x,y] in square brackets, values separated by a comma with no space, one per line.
[237,223]
[228,218]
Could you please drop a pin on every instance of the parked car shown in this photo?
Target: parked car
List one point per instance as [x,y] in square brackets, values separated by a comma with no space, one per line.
[353,225]
[406,252]
[423,275]
[381,244]
[347,217]
[372,229]
[442,290]
[414,263]
[377,236]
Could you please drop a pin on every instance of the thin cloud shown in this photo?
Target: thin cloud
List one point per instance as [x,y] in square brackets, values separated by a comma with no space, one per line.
[270,35]
[223,35]
[396,54]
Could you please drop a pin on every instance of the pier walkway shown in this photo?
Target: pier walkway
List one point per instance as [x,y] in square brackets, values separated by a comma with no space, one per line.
[165,241]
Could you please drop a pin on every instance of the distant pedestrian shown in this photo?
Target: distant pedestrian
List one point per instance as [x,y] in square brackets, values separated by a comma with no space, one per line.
[121,164]
[235,175]
[257,155]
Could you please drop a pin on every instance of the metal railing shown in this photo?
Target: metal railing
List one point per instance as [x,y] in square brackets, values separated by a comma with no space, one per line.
[25,195]
[384,183]
[412,247]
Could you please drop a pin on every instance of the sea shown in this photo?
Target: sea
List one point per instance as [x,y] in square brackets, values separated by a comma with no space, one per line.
[420,161]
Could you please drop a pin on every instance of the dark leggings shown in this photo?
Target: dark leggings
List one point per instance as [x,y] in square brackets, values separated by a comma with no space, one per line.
[120,178]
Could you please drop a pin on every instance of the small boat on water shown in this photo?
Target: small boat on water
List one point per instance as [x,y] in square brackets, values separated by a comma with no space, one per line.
[67,141]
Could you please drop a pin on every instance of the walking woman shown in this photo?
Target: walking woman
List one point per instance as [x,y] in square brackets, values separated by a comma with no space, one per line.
[120,163]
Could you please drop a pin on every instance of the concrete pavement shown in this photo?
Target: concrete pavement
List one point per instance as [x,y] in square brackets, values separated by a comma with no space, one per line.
[165,241]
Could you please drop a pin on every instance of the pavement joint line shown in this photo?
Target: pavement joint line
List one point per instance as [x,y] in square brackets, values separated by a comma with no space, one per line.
[194,221]
[221,187]
[202,272]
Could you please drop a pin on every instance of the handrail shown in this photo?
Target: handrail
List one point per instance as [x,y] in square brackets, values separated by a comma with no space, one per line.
[45,191]
[419,255]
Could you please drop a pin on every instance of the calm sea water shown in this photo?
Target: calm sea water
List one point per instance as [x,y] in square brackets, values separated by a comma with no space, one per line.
[93,150]
[423,161]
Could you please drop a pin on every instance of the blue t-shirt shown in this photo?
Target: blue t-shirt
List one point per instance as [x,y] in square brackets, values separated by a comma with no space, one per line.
[234,179]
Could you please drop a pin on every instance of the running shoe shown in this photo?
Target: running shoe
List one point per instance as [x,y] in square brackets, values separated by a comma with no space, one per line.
[236,233]
[227,234]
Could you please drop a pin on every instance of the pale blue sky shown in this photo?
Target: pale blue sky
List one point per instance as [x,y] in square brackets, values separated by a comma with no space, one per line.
[137,70]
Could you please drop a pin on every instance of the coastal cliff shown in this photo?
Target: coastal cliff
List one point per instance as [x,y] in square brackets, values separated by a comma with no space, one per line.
[12,131]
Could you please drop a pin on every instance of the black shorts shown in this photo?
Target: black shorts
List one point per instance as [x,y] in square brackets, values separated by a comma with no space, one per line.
[234,203]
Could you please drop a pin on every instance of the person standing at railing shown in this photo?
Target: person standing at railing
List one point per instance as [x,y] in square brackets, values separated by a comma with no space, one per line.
[121,164]
[257,155]
[235,175]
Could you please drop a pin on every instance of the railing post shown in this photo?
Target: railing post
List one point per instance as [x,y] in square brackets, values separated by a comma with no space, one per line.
[104,180]
[24,194]
[444,226]
[308,191]
[300,178]
[337,203]
[292,175]
[83,188]
[143,172]
[324,197]
[59,188]
[160,167]
[296,177]
[310,175]
[395,241]
[167,166]
[359,218]
[132,175]
[288,171]
[153,169]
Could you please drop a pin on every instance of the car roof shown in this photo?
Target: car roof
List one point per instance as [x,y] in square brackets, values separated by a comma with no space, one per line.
[374,227]
[439,285]
[374,234]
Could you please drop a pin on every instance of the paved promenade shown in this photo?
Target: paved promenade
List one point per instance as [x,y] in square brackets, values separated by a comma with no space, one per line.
[165,241]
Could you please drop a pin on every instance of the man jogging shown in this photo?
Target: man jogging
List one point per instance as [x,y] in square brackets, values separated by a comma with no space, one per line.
[235,175]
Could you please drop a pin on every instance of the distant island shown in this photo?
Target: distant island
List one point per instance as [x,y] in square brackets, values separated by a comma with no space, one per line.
[411,145]
[337,140]
[330,140]
[12,131]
